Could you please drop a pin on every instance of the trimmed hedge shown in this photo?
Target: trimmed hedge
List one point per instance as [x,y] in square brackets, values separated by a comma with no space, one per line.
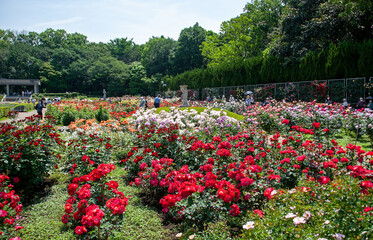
[18,107]
[23,107]
[54,95]
[4,111]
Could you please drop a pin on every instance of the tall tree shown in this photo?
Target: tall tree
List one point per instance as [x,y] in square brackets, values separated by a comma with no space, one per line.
[124,50]
[187,54]
[53,38]
[245,36]
[155,55]
[138,80]
[51,79]
[105,70]
[314,24]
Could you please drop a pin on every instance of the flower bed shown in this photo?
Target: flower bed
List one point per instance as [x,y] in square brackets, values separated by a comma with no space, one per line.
[277,174]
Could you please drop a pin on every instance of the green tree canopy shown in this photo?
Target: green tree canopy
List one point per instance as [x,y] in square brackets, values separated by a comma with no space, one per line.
[187,54]
[155,55]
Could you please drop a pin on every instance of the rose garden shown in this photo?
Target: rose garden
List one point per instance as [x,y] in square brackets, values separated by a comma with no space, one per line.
[221,170]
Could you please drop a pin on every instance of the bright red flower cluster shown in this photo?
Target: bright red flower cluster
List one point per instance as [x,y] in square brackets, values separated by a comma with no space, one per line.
[10,206]
[91,198]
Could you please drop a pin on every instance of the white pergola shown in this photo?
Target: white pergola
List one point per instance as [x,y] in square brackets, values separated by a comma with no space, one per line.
[21,82]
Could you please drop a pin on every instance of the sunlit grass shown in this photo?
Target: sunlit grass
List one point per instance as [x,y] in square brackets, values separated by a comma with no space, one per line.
[363,141]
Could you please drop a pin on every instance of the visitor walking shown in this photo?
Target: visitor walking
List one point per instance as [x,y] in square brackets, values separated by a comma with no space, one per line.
[142,102]
[39,107]
[146,103]
[157,101]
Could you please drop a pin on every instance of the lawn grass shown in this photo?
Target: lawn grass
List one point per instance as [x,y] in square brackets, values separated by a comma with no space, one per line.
[42,220]
[201,109]
[345,139]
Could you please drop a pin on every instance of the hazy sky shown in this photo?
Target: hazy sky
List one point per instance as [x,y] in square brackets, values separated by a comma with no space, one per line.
[102,20]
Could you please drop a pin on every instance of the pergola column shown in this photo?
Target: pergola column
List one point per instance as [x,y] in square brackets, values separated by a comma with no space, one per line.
[36,89]
[7,90]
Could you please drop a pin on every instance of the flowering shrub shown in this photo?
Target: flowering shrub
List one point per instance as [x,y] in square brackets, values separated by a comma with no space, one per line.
[95,207]
[66,112]
[207,122]
[10,208]
[26,150]
[85,151]
[290,181]
[319,90]
[214,177]
[315,211]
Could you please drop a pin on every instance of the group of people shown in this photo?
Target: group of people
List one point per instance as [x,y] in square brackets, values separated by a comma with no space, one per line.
[144,102]
[360,104]
[249,99]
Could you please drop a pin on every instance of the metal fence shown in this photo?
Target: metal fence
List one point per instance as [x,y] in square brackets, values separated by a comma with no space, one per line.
[337,89]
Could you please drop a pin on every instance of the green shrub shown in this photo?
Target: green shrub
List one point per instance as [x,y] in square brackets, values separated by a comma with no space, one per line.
[102,114]
[61,95]
[4,111]
[68,116]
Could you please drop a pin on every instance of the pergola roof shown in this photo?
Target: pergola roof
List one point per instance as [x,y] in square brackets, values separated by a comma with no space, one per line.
[4,81]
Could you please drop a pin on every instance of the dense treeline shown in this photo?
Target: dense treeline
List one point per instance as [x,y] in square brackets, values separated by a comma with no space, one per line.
[68,62]
[345,60]
[271,41]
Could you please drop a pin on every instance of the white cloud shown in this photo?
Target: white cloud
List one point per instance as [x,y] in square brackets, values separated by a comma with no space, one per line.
[56,23]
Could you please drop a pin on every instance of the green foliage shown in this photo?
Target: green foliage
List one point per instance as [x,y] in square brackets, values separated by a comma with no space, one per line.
[271,41]
[325,208]
[68,116]
[124,50]
[61,95]
[44,223]
[109,73]
[102,114]
[4,111]
[138,79]
[187,55]
[155,55]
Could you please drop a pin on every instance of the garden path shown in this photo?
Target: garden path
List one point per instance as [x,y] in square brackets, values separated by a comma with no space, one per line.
[20,116]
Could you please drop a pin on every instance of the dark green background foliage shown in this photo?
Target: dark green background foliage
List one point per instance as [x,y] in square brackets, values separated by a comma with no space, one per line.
[271,41]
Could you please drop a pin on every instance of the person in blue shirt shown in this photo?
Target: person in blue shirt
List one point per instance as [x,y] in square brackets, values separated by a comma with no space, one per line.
[157,101]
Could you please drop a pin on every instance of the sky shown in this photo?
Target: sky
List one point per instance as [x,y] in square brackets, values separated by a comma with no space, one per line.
[103,20]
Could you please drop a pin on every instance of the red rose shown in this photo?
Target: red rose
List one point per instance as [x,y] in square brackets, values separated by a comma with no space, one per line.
[79,230]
